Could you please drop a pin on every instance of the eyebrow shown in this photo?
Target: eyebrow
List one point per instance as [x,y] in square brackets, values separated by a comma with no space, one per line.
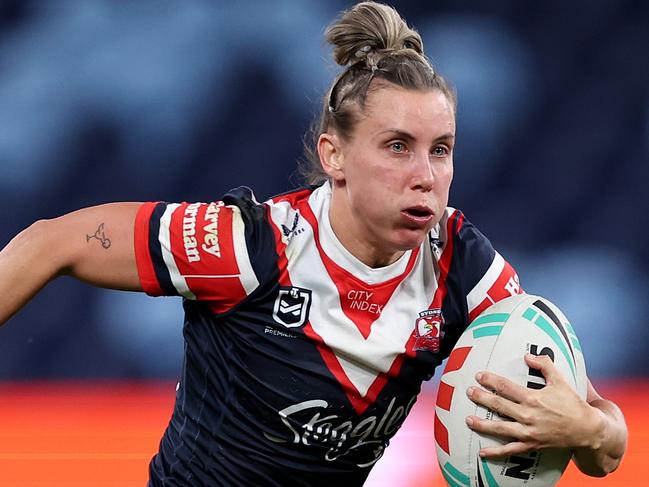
[407,136]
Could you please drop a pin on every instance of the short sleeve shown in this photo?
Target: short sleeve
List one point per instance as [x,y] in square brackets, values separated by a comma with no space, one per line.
[217,252]
[486,276]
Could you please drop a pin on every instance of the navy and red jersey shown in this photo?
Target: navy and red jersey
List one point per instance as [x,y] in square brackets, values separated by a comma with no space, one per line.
[301,362]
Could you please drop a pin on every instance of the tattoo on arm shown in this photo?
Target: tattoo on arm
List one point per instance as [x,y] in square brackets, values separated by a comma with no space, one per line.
[99,235]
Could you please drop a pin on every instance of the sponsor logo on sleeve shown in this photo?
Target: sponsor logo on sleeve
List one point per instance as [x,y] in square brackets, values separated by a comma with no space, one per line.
[189,232]
[211,237]
[210,242]
[513,285]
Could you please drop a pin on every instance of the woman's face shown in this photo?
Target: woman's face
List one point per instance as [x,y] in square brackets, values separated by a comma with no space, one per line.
[391,179]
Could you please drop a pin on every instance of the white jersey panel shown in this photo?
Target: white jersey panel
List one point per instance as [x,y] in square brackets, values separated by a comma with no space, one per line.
[361,359]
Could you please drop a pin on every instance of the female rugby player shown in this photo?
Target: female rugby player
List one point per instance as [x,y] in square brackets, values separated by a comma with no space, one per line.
[302,355]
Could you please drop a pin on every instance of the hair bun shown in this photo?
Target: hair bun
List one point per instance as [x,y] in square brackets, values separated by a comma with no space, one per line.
[370,27]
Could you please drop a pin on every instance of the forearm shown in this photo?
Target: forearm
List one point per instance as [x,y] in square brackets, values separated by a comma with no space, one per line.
[94,245]
[608,443]
[26,265]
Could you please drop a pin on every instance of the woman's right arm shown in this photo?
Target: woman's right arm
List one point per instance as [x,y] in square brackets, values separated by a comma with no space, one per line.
[95,245]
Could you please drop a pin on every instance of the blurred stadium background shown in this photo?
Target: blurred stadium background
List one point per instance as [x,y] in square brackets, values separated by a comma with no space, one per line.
[158,100]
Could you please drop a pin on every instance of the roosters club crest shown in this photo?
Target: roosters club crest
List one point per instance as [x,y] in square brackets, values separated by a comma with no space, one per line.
[428,330]
[291,307]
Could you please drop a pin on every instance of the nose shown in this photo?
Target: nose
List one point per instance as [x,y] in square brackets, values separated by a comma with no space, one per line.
[422,173]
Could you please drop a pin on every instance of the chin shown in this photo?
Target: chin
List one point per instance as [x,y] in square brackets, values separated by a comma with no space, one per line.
[410,239]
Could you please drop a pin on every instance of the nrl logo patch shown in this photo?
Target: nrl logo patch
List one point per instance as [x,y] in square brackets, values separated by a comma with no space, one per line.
[291,307]
[428,330]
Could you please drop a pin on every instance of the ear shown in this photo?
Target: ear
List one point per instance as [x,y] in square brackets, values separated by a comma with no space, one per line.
[331,156]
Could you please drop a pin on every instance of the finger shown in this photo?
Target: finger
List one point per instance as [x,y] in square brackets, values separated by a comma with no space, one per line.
[502,386]
[513,448]
[508,430]
[499,405]
[544,364]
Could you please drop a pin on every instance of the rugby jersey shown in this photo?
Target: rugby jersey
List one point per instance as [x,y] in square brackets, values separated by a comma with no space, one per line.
[301,362]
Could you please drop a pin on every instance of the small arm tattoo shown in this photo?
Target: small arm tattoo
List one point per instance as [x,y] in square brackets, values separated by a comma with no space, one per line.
[99,235]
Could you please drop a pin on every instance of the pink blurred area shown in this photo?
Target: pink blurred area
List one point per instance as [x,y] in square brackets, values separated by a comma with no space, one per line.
[103,435]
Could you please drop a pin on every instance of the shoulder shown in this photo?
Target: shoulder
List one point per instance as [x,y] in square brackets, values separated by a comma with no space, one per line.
[243,199]
[276,211]
[287,209]
[455,228]
[485,276]
[461,248]
[295,199]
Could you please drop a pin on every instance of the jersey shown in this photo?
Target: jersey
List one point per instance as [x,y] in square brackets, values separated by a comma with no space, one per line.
[300,361]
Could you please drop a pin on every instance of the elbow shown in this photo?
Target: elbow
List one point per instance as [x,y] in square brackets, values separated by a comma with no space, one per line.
[41,243]
[31,239]
[599,465]
[608,467]
[38,232]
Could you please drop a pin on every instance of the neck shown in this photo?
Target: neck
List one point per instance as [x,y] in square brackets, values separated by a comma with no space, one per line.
[349,230]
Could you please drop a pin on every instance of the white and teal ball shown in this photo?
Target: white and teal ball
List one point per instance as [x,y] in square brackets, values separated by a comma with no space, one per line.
[497,341]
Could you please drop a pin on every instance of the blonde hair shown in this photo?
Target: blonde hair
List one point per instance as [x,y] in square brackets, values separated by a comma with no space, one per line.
[372,42]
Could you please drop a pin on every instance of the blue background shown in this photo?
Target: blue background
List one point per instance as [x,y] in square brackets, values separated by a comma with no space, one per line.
[180,101]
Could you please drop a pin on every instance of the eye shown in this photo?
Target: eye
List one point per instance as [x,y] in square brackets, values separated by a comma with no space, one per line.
[440,151]
[398,147]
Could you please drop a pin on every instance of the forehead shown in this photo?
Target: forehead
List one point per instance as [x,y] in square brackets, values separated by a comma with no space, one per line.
[421,113]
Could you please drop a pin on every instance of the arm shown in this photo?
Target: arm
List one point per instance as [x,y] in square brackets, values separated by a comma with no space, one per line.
[552,417]
[94,245]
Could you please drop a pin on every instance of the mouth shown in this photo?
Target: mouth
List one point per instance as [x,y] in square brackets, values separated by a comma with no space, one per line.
[419,215]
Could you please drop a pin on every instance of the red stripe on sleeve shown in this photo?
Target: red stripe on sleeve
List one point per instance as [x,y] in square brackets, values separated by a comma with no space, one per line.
[479,309]
[202,246]
[505,286]
[148,279]
[457,358]
[445,395]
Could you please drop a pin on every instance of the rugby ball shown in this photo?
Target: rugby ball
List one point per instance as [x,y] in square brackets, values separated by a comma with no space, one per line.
[497,341]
